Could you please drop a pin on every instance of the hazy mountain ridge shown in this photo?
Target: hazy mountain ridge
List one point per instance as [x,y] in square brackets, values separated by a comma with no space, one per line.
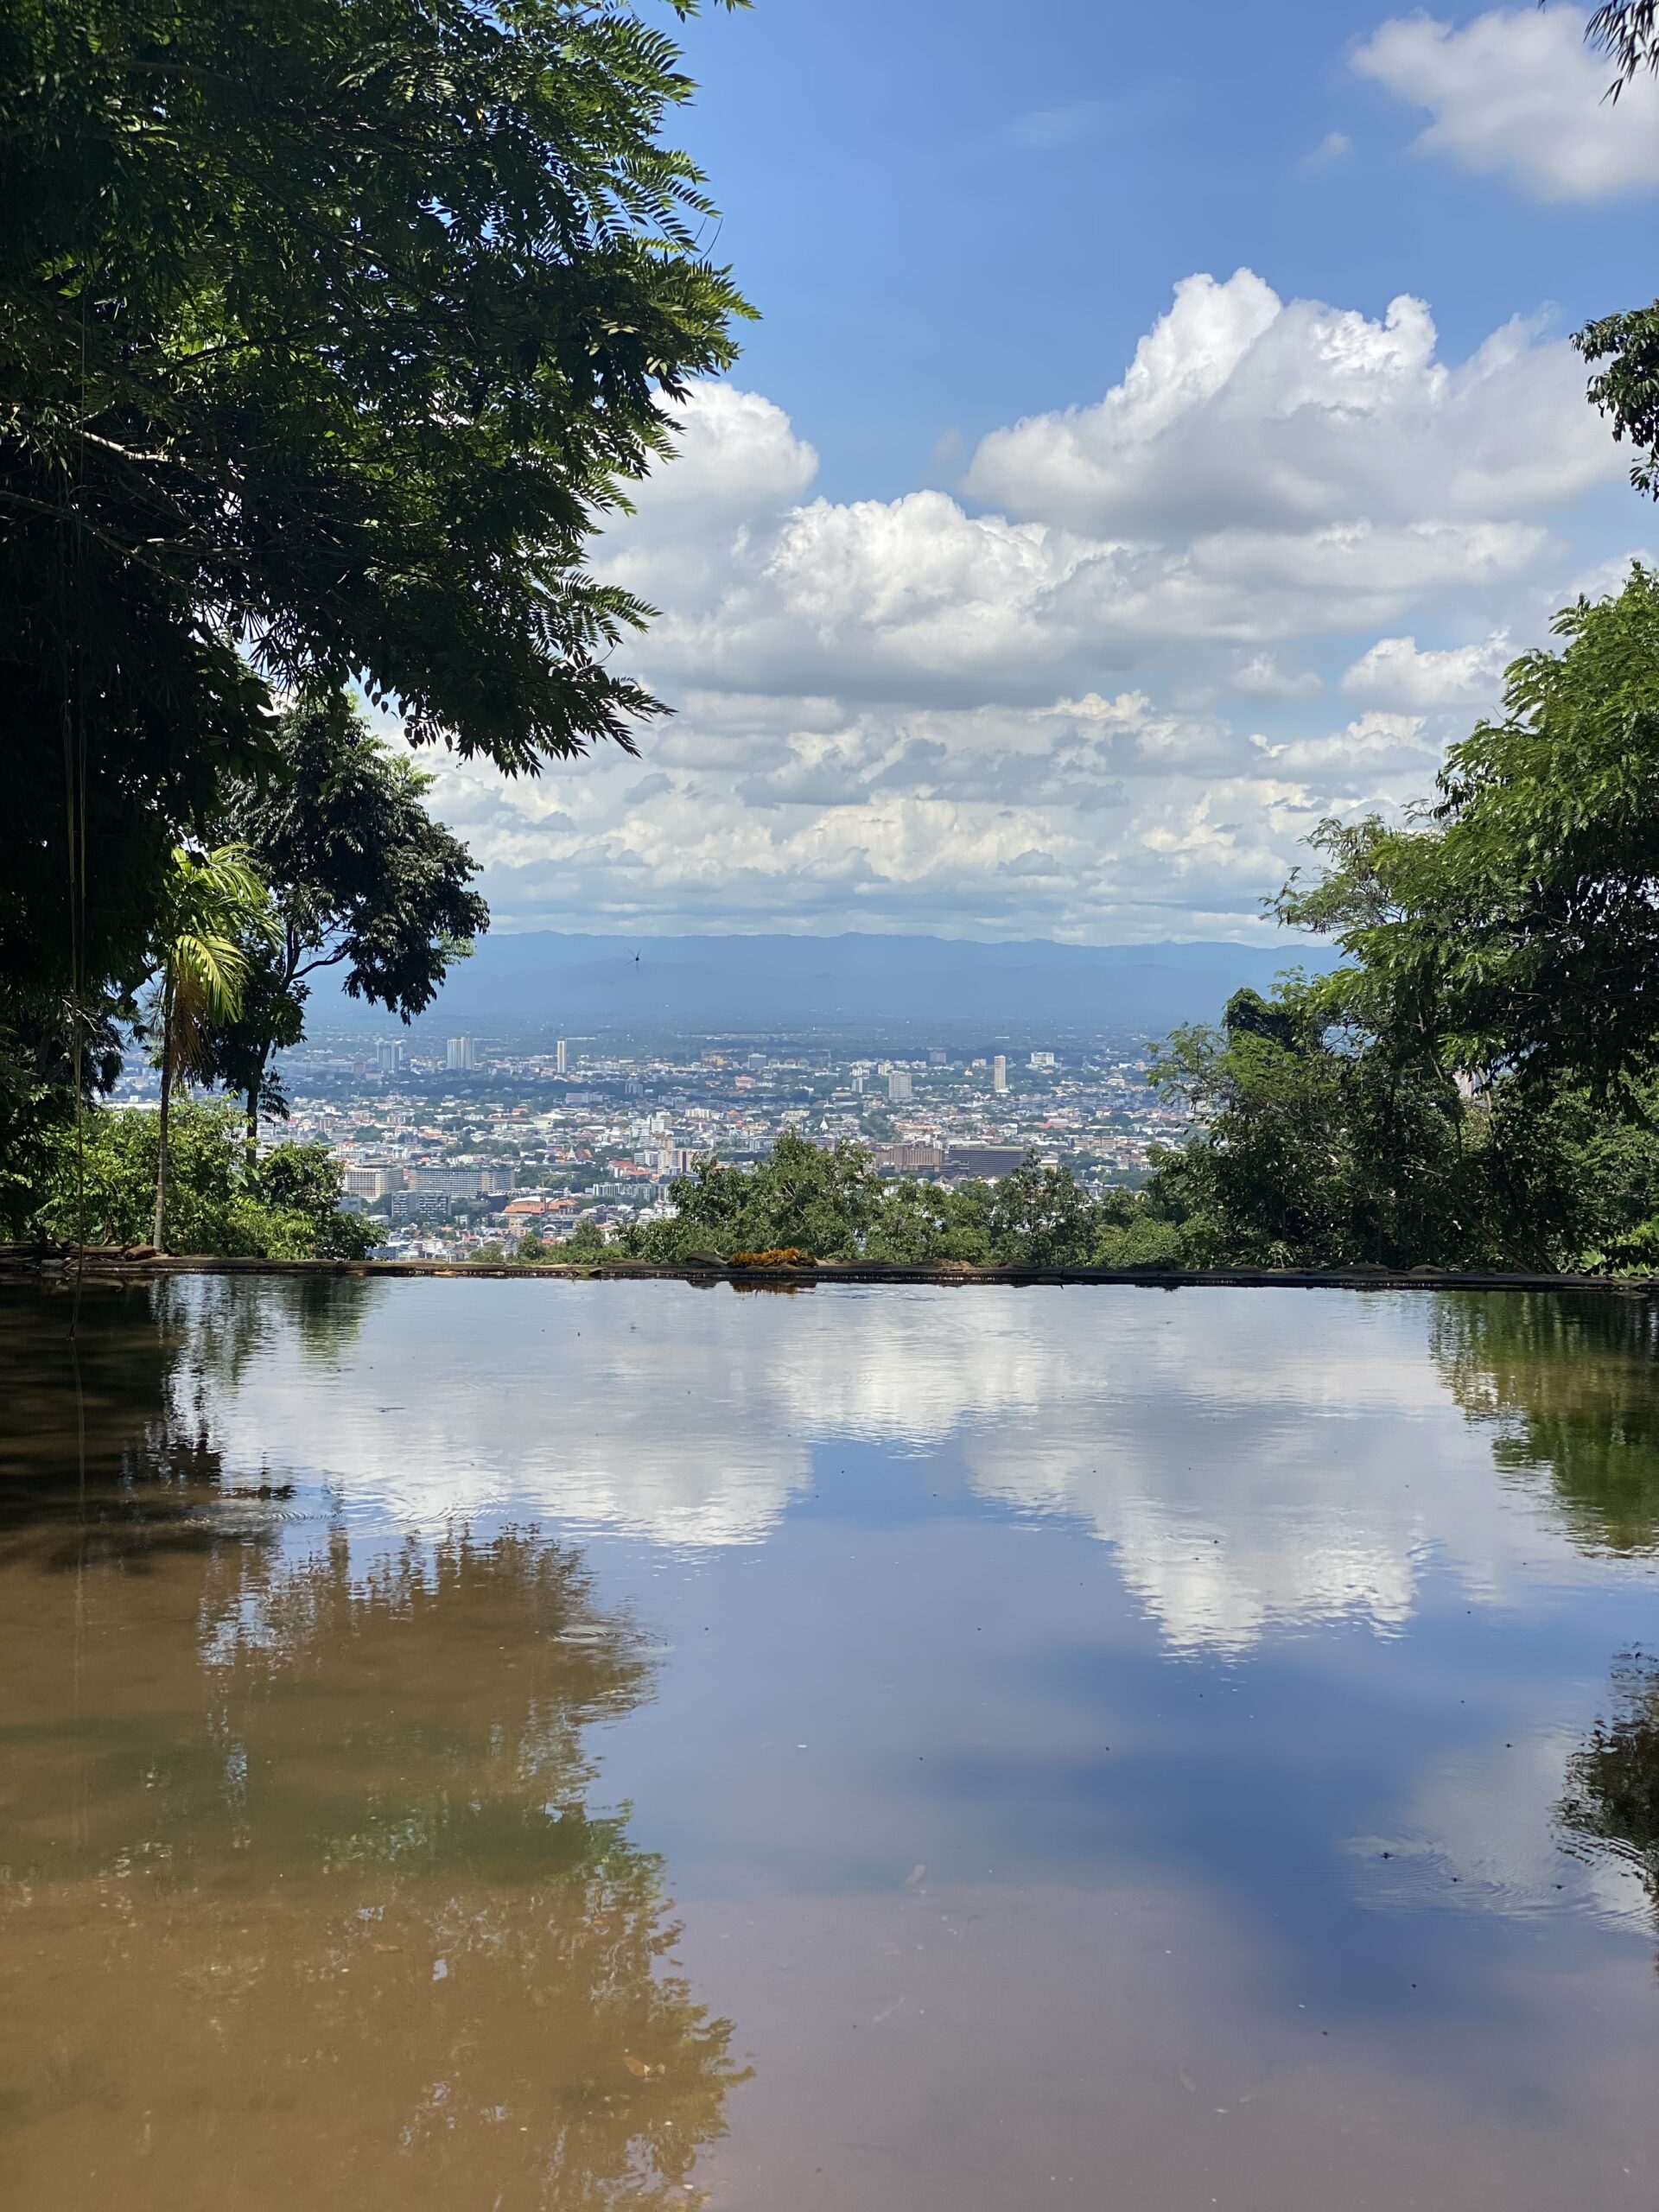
[716,982]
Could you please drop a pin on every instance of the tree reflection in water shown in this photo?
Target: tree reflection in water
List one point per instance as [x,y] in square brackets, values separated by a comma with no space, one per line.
[1571,1384]
[306,1902]
[1611,1801]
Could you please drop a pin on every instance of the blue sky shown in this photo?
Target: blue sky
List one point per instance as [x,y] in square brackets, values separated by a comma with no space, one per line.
[1160,434]
[952,217]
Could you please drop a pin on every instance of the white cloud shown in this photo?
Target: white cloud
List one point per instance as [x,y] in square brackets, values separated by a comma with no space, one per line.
[1264,676]
[1202,1454]
[1240,411]
[1028,716]
[1517,94]
[1368,750]
[918,599]
[1334,147]
[737,457]
[1393,672]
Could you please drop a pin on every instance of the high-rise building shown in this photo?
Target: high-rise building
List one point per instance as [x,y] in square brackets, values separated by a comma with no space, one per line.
[390,1056]
[561,1058]
[999,1072]
[900,1089]
[1044,1060]
[462,1052]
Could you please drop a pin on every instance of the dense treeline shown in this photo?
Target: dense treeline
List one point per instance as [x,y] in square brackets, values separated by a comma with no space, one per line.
[830,1202]
[282,1203]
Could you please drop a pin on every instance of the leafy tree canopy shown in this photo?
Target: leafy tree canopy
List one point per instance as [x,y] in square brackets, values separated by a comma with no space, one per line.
[830,1202]
[285,1207]
[363,878]
[1516,931]
[1627,388]
[1322,1143]
[328,331]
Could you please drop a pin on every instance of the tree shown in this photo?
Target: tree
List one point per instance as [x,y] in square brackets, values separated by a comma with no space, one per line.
[1316,1147]
[329,330]
[1326,1140]
[1038,1218]
[1611,1800]
[1627,389]
[1518,931]
[587,1242]
[364,879]
[813,1197]
[830,1202]
[214,904]
[99,1186]
[916,1223]
[1564,1385]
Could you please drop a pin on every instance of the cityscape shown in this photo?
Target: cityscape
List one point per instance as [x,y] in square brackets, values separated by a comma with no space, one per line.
[488,1141]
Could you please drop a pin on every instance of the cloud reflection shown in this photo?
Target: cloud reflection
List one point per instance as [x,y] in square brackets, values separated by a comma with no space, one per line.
[1258,1464]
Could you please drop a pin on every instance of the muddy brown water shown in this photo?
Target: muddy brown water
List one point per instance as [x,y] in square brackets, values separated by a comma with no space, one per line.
[607,1747]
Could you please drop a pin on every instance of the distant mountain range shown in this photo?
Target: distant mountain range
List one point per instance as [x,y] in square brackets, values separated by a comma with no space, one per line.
[700,984]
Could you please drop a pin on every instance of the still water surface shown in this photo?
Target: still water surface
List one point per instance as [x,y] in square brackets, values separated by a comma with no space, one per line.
[606,1747]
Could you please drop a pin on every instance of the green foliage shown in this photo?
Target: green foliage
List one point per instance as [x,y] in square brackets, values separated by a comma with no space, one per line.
[287,1208]
[1518,933]
[1315,1148]
[1477,1087]
[819,1199]
[1627,389]
[1566,1385]
[363,878]
[587,1242]
[1325,1141]
[343,320]
[214,910]
[916,1223]
[830,1202]
[1038,1218]
[329,331]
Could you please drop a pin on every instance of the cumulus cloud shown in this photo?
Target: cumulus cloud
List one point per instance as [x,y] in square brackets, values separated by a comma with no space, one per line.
[1101,815]
[1516,93]
[1263,675]
[1243,411]
[1262,473]
[736,456]
[1202,1455]
[1396,673]
[1081,696]
[1359,755]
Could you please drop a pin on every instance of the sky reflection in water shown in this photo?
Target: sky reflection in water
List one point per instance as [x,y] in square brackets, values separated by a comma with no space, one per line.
[1100,1747]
